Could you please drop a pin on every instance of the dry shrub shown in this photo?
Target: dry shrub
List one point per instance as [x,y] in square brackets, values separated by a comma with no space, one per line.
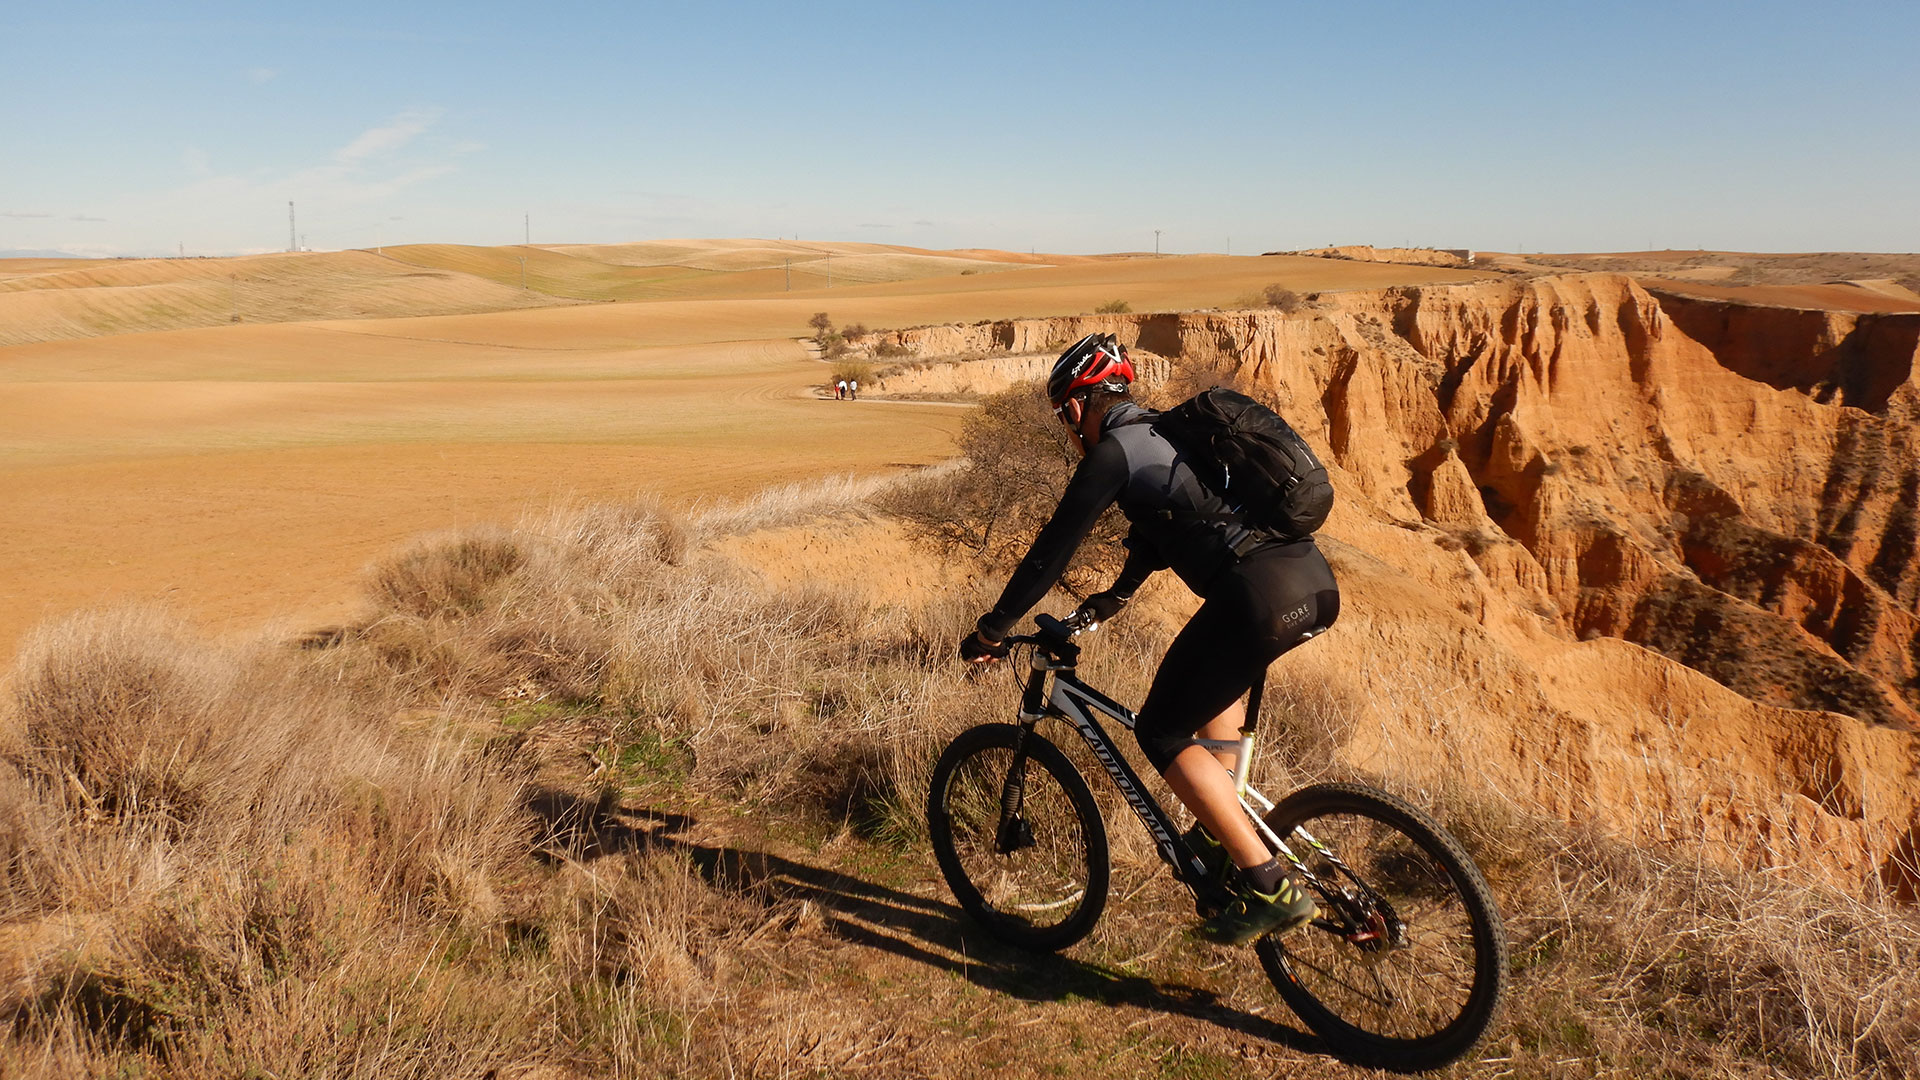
[191,832]
[807,699]
[1281,299]
[120,714]
[802,699]
[448,577]
[1667,963]
[1017,462]
[649,917]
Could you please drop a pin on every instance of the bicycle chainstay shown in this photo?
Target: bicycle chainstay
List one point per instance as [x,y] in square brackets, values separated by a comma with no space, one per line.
[1368,920]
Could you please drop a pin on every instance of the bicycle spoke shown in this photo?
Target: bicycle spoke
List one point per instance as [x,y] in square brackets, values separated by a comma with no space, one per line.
[1032,869]
[1394,958]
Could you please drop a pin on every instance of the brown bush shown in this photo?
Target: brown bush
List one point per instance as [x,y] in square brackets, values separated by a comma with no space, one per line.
[1281,299]
[1017,462]
[450,576]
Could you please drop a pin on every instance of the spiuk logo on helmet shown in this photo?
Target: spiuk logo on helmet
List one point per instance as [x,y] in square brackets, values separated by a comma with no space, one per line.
[1097,360]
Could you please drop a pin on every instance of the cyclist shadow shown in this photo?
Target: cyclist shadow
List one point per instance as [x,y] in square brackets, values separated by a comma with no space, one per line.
[918,928]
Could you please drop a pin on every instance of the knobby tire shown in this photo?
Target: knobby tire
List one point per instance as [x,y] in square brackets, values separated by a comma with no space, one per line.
[1423,1002]
[1047,895]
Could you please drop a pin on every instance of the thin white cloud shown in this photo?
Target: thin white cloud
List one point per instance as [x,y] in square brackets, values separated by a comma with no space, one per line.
[260,76]
[390,136]
[22,215]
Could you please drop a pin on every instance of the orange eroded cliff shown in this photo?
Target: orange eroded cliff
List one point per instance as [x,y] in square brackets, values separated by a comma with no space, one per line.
[1563,464]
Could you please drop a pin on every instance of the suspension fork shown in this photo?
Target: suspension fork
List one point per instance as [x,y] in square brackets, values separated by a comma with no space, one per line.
[1013,832]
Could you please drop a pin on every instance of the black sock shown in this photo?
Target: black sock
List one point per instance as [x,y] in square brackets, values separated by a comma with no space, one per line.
[1266,877]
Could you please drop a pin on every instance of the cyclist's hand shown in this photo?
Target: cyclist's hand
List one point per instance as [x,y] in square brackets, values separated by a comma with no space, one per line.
[975,649]
[1100,607]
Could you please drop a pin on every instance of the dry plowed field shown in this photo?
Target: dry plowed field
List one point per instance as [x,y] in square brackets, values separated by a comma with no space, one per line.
[152,449]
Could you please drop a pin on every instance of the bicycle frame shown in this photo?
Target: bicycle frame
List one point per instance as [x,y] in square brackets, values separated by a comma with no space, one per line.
[1076,702]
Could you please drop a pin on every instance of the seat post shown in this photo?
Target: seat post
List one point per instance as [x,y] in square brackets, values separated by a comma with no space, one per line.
[1254,694]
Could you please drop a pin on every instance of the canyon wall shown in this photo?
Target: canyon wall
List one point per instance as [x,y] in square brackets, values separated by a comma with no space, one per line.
[1573,463]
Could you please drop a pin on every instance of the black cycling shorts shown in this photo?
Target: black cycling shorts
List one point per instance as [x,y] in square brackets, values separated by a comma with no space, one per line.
[1255,610]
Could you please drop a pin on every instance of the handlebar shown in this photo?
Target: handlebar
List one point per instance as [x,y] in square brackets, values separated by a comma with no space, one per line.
[1056,635]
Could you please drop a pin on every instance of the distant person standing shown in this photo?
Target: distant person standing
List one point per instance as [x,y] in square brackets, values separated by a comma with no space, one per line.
[853,389]
[840,389]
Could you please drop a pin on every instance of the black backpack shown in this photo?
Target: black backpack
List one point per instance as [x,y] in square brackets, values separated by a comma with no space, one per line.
[1246,454]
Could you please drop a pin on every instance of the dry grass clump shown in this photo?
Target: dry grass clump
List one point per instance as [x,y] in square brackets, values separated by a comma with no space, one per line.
[190,833]
[672,666]
[1650,963]
[121,716]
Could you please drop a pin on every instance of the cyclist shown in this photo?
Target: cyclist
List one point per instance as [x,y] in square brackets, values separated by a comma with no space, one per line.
[1262,596]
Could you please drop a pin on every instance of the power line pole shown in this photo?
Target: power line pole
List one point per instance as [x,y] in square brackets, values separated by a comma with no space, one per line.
[526,222]
[291,246]
[789,275]
[1156,243]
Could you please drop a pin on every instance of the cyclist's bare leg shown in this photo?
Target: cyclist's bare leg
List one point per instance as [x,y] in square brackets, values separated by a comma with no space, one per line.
[1204,785]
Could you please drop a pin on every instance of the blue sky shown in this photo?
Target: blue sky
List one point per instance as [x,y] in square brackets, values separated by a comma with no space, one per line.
[142,128]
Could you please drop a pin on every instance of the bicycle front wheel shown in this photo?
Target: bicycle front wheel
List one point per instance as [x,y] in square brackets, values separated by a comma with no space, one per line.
[1018,837]
[1405,965]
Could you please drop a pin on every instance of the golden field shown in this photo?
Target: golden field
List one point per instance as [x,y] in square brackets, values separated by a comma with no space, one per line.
[249,471]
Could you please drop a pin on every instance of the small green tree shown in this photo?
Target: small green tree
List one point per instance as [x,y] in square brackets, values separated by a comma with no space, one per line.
[1113,307]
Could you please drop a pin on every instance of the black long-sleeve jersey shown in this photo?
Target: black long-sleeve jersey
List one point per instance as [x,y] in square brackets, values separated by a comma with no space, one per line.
[1166,504]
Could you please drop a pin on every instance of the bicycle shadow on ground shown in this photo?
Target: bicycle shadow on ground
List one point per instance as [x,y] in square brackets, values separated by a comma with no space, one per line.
[931,932]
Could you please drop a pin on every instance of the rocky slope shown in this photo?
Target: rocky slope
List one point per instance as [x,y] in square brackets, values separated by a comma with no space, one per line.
[1572,460]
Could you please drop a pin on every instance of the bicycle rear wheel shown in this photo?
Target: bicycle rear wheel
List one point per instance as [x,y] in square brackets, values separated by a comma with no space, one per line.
[1406,964]
[1035,878]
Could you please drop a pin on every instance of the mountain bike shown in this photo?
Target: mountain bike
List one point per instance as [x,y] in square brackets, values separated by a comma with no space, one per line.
[1405,964]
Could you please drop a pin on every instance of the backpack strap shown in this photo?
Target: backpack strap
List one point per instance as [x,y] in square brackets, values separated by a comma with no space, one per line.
[1253,539]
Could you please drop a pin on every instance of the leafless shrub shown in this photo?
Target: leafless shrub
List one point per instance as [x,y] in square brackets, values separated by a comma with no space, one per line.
[1281,299]
[1017,461]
